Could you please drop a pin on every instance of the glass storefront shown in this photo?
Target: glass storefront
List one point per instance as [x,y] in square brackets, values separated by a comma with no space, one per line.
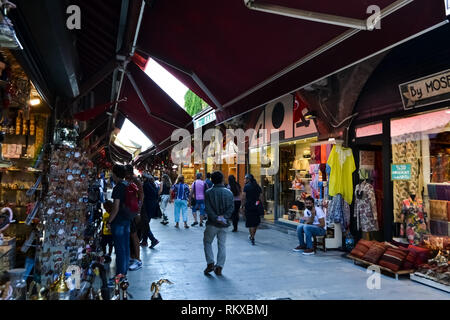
[421,174]
[283,189]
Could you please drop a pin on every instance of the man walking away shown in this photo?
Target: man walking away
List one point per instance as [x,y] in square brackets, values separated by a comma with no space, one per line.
[219,207]
[198,194]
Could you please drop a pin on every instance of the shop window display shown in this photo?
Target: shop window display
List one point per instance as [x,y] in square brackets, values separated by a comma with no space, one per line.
[422,198]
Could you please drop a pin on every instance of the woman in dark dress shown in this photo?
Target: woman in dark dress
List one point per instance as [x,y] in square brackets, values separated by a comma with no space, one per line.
[250,197]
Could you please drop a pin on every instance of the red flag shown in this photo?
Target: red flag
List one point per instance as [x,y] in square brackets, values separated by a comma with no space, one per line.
[299,106]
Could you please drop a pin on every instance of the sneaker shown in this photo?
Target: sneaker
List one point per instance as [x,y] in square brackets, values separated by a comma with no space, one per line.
[209,268]
[186,226]
[154,243]
[234,230]
[177,226]
[201,224]
[195,223]
[308,252]
[299,248]
[253,241]
[166,222]
[144,244]
[136,265]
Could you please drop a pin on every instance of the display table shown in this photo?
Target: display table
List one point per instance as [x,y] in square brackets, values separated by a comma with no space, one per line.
[8,254]
[429,281]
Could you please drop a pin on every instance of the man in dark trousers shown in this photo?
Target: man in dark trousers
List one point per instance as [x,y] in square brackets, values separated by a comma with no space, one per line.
[219,206]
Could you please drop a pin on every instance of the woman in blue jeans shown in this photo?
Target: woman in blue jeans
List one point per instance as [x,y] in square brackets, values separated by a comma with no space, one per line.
[181,192]
[119,223]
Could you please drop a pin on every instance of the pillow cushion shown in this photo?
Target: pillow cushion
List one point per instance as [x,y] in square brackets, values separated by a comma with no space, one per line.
[410,260]
[361,248]
[393,258]
[399,244]
[422,254]
[375,252]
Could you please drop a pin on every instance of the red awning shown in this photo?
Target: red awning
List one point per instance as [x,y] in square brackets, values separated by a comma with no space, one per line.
[159,116]
[233,57]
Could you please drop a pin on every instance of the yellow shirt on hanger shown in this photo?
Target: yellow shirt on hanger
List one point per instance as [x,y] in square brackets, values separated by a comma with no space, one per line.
[342,165]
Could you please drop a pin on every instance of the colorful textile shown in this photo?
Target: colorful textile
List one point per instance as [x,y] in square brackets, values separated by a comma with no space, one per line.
[361,248]
[339,212]
[375,252]
[410,260]
[407,149]
[314,183]
[323,153]
[393,259]
[415,220]
[366,207]
[329,147]
[422,255]
[342,166]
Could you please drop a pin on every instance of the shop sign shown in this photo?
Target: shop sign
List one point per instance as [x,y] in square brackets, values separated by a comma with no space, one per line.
[426,91]
[204,120]
[400,171]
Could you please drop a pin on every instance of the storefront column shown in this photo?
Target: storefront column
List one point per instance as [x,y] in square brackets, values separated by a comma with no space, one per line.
[387,183]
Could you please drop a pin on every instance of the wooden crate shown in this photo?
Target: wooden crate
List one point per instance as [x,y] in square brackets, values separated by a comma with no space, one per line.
[367,264]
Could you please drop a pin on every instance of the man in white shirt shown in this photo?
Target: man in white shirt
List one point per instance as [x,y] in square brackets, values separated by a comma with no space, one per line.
[313,225]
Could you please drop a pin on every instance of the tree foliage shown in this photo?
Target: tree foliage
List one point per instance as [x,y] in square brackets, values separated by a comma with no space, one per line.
[193,104]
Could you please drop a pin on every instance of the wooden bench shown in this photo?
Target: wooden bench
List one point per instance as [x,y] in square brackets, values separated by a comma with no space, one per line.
[367,264]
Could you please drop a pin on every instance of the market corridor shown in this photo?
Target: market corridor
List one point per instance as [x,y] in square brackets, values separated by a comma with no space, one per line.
[268,270]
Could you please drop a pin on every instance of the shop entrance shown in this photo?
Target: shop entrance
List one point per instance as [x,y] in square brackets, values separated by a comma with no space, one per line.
[368,187]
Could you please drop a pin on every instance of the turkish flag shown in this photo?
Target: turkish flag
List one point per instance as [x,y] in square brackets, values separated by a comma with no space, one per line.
[299,106]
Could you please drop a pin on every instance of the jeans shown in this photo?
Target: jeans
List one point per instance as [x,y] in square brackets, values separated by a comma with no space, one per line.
[208,237]
[164,200]
[180,205]
[308,231]
[148,234]
[121,238]
[199,205]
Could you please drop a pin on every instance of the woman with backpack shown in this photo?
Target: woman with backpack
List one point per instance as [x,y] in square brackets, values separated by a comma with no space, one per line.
[180,192]
[235,188]
[164,192]
[252,204]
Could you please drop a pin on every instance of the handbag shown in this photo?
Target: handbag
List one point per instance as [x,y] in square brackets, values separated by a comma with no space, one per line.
[259,208]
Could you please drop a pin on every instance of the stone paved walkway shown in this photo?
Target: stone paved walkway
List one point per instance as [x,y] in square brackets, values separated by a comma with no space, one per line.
[268,270]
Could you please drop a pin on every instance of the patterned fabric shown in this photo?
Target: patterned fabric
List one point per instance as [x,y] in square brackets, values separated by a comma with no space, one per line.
[361,248]
[422,255]
[375,252]
[415,220]
[393,259]
[339,212]
[407,149]
[314,171]
[365,207]
[410,260]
